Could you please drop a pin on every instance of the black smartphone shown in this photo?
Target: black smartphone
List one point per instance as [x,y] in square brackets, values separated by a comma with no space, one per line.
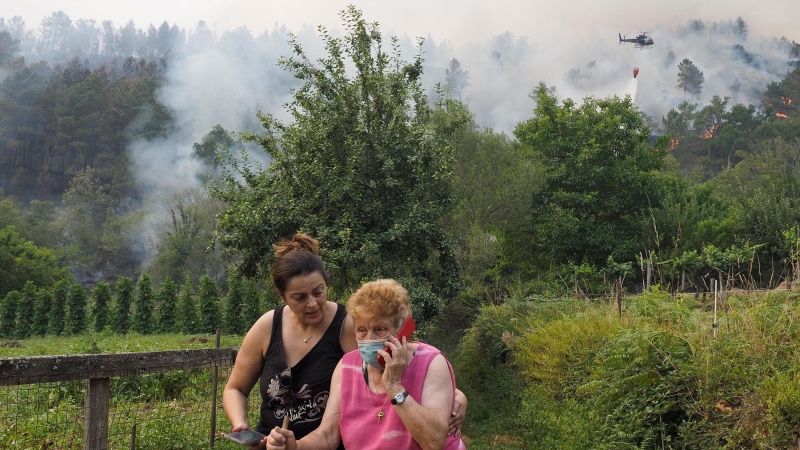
[405,332]
[245,437]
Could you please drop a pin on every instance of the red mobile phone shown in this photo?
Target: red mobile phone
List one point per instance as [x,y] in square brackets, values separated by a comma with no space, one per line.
[405,332]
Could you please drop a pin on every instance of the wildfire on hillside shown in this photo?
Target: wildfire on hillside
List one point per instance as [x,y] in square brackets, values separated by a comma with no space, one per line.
[673,143]
[784,116]
[709,133]
[786,100]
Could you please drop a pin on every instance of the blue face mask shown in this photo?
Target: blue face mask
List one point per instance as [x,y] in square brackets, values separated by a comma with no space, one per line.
[369,350]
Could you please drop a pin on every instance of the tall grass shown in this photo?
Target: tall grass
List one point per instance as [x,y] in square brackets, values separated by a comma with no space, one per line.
[576,375]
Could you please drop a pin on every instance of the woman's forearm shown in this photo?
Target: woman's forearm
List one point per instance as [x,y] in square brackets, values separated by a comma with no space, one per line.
[234,403]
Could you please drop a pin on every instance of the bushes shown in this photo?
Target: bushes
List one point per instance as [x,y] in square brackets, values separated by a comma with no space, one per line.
[573,375]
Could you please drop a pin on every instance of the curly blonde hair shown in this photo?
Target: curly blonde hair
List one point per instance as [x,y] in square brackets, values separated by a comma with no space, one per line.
[380,298]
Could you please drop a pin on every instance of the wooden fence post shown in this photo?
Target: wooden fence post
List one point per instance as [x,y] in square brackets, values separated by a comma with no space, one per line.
[95,410]
[619,295]
[214,375]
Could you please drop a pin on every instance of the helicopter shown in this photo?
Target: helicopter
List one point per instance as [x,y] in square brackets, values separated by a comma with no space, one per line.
[642,41]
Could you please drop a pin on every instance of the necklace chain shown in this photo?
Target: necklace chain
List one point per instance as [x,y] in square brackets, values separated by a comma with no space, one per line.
[380,414]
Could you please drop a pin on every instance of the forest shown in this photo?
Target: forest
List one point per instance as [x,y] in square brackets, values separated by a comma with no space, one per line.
[393,172]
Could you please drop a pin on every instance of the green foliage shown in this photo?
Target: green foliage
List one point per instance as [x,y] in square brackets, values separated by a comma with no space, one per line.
[23,261]
[8,317]
[690,78]
[188,321]
[593,155]
[102,299]
[234,319]
[25,311]
[168,298]
[41,314]
[209,305]
[251,305]
[58,313]
[122,307]
[362,168]
[75,322]
[143,309]
[641,389]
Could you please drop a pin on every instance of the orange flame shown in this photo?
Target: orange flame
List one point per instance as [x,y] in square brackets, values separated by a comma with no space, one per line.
[786,100]
[707,135]
[673,143]
[781,115]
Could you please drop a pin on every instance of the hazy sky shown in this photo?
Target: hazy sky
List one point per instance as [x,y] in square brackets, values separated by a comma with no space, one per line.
[459,21]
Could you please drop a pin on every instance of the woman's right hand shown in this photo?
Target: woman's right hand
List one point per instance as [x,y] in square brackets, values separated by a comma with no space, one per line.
[281,439]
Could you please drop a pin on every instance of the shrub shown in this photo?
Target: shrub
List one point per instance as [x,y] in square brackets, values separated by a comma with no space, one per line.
[41,314]
[168,299]
[25,311]
[187,320]
[76,310]
[102,297]
[8,318]
[58,311]
[143,314]
[234,320]
[122,307]
[209,305]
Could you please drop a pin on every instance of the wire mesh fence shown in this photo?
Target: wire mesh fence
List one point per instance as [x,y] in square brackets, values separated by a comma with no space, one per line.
[165,410]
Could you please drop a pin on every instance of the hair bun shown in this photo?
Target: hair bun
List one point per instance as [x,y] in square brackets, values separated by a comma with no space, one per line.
[300,242]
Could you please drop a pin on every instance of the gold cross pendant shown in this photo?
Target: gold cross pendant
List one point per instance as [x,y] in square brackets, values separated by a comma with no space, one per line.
[380,415]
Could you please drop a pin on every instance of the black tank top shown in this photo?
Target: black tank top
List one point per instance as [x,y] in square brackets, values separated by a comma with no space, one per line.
[301,391]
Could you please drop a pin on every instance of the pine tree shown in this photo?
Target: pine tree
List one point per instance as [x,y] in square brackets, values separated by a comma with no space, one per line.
[187,320]
[168,297]
[252,303]
[143,314]
[44,301]
[76,310]
[234,321]
[690,78]
[102,297]
[59,308]
[25,311]
[8,319]
[209,305]
[122,309]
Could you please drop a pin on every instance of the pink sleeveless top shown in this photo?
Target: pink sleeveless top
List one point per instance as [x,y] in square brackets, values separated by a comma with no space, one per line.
[359,424]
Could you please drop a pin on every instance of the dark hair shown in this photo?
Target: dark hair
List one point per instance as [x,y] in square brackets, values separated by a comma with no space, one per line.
[300,256]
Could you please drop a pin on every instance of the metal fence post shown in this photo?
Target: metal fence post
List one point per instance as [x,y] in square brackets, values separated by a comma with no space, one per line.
[95,407]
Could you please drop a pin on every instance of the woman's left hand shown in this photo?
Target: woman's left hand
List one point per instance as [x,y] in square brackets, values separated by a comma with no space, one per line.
[458,415]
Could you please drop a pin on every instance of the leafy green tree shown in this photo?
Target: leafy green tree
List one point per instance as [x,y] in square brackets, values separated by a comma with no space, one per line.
[22,261]
[25,311]
[214,145]
[143,309]
[8,47]
[209,305]
[102,299]
[251,307]
[187,318]
[361,168]
[58,312]
[234,320]
[44,302]
[690,78]
[600,177]
[122,308]
[8,318]
[76,310]
[168,300]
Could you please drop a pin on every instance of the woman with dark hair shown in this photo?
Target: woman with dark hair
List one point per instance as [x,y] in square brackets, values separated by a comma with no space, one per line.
[294,349]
